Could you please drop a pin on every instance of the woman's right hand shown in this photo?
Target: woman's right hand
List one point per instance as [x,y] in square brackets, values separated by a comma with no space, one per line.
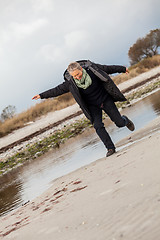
[36,97]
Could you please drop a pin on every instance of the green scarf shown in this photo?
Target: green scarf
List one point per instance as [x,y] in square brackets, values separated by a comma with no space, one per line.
[85,81]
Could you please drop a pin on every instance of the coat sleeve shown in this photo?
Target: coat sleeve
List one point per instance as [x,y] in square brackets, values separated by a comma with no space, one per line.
[109,69]
[56,91]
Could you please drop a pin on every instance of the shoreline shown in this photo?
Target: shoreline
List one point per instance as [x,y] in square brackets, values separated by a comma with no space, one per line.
[110,198]
[33,150]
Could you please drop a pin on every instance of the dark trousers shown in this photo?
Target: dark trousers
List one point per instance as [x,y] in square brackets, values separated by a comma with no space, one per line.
[111,110]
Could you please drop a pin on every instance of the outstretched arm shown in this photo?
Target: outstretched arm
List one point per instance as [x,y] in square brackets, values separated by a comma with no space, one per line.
[112,68]
[54,92]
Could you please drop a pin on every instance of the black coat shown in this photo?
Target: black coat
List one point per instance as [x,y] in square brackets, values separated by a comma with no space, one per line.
[101,71]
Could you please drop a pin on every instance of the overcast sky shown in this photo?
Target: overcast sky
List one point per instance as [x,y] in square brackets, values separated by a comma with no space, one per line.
[39,38]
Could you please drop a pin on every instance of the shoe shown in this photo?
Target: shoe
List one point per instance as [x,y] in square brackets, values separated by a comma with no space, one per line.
[130,124]
[110,152]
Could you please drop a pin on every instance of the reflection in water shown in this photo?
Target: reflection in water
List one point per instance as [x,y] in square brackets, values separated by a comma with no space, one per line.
[10,192]
[156,102]
[30,180]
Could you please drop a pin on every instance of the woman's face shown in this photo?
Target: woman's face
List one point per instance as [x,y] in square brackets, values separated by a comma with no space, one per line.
[77,74]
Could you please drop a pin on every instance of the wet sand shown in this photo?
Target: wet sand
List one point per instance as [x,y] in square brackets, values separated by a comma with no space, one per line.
[113,198]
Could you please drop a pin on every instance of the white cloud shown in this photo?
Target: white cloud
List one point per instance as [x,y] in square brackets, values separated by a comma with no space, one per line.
[71,44]
[22,30]
[40,6]
[51,52]
[77,39]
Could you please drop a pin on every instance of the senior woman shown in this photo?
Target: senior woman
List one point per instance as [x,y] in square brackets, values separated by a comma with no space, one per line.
[94,91]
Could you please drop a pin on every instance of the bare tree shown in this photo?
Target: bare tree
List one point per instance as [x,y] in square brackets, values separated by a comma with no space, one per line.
[8,112]
[145,47]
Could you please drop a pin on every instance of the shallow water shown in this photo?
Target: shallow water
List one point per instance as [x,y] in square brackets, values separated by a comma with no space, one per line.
[33,178]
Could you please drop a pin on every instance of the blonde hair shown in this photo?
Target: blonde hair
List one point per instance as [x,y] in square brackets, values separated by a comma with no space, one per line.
[73,66]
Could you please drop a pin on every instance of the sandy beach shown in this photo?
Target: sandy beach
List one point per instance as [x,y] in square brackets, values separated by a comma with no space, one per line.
[113,198]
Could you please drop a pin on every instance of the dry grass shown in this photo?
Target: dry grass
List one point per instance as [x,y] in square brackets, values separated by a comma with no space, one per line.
[65,100]
[138,68]
[49,105]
